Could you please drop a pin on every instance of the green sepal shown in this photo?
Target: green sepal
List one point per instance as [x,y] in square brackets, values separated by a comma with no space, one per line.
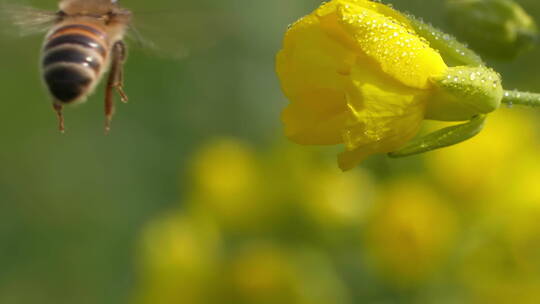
[453,52]
[442,138]
[463,92]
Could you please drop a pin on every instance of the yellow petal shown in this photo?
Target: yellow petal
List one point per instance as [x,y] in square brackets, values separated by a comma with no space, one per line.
[392,44]
[367,4]
[313,72]
[386,115]
[349,159]
[318,119]
[311,60]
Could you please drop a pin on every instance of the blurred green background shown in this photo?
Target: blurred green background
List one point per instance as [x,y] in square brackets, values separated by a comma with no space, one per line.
[195,197]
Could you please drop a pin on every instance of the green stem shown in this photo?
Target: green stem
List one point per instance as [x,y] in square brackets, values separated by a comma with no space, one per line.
[521,98]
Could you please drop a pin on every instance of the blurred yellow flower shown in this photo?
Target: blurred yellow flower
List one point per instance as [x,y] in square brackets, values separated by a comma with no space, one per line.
[228,184]
[217,161]
[498,260]
[355,73]
[261,272]
[178,259]
[492,272]
[516,211]
[521,182]
[264,272]
[336,201]
[411,233]
[491,155]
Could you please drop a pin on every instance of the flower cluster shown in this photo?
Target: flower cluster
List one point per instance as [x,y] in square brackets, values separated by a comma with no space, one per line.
[313,235]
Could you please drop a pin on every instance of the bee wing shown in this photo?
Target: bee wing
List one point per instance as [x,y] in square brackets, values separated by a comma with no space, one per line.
[22,20]
[177,34]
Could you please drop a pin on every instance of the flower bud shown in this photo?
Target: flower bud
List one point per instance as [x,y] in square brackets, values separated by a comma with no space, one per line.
[463,92]
[497,28]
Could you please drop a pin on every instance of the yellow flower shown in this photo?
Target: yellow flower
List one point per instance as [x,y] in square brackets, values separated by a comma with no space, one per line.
[261,271]
[178,259]
[507,137]
[213,165]
[338,201]
[500,263]
[235,202]
[356,73]
[411,233]
[265,272]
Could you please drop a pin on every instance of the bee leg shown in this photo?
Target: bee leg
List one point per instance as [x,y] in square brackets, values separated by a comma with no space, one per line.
[442,138]
[119,84]
[114,82]
[109,104]
[58,109]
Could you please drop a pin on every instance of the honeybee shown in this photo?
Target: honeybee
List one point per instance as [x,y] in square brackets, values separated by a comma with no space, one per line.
[84,40]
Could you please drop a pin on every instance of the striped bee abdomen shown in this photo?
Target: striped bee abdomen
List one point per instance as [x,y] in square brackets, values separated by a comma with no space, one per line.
[76,39]
[73,57]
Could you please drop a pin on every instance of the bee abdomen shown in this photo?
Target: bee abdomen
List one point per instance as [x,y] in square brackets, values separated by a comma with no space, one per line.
[71,55]
[67,82]
[76,39]
[72,61]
